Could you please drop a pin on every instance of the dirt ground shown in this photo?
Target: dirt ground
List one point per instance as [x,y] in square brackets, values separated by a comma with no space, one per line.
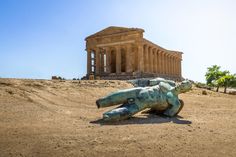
[60,118]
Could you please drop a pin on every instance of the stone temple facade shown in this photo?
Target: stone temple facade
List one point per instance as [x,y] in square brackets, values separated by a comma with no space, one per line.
[123,53]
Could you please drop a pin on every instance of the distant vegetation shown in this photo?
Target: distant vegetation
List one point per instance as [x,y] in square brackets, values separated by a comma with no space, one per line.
[58,78]
[217,78]
[203,85]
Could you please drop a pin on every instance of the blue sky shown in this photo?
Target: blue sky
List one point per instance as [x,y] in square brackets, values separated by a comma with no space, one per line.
[41,38]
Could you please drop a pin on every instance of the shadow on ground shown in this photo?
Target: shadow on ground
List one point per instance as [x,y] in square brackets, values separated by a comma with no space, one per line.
[149,119]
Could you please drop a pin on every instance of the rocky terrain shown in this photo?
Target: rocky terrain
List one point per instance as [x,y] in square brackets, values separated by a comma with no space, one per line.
[41,118]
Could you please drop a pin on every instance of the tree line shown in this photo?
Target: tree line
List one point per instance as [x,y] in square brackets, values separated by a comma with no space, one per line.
[218,78]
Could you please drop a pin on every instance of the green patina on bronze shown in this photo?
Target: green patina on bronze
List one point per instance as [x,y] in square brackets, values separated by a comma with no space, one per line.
[160,95]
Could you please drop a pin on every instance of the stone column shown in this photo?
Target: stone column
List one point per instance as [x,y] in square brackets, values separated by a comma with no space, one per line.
[165,63]
[177,66]
[89,61]
[140,58]
[151,60]
[129,67]
[118,60]
[180,70]
[171,65]
[168,64]
[97,61]
[161,62]
[158,61]
[176,70]
[145,53]
[102,60]
[170,68]
[155,61]
[108,60]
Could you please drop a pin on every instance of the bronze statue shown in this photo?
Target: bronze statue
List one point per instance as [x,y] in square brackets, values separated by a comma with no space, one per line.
[160,95]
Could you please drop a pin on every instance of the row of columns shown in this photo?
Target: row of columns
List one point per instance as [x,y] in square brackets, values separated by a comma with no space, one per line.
[103,59]
[149,60]
[161,62]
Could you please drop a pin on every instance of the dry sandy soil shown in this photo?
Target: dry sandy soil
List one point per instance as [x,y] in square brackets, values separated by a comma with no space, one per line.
[60,118]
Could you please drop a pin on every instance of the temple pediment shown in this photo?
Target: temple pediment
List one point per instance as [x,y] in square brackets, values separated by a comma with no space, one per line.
[114,30]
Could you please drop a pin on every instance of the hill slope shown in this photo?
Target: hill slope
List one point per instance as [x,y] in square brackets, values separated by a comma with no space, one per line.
[60,118]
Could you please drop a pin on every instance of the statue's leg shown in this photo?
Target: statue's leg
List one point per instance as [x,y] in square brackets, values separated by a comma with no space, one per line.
[122,112]
[181,106]
[119,97]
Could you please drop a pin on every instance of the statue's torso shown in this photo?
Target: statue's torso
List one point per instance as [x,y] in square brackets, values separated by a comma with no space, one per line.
[154,97]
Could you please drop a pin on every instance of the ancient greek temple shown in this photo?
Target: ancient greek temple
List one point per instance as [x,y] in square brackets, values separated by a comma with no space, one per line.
[123,53]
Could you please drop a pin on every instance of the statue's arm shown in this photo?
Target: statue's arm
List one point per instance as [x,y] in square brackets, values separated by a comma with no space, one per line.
[158,80]
[154,82]
[165,87]
[174,105]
